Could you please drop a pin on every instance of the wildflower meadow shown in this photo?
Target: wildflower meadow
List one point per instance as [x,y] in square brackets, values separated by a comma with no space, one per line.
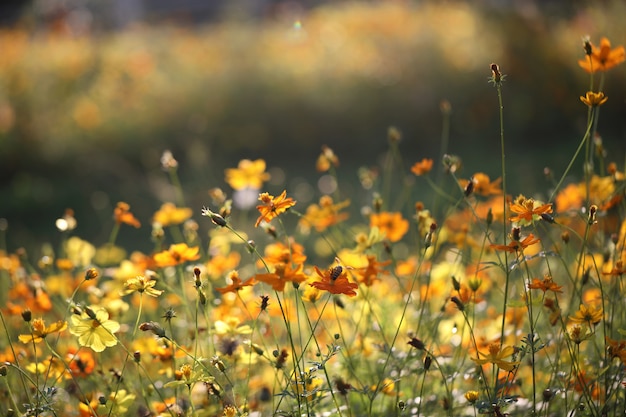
[448,294]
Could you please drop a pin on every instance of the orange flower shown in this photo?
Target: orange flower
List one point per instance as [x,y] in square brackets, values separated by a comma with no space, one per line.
[335,281]
[122,214]
[273,206]
[592,99]
[292,253]
[283,273]
[81,362]
[248,174]
[323,216]
[546,284]
[391,224]
[527,209]
[517,245]
[422,167]
[369,274]
[603,58]
[176,254]
[483,185]
[169,215]
[496,356]
[237,284]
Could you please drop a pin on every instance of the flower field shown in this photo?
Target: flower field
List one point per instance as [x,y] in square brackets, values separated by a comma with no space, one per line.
[428,289]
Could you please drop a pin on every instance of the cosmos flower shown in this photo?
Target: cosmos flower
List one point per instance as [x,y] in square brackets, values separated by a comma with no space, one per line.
[335,281]
[94,329]
[497,357]
[603,58]
[40,331]
[273,206]
[248,174]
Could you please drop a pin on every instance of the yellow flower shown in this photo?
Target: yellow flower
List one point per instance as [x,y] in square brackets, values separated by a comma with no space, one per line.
[472,396]
[587,314]
[496,356]
[324,215]
[592,99]
[94,329]
[169,215]
[40,331]
[249,174]
[141,284]
[176,254]
[326,159]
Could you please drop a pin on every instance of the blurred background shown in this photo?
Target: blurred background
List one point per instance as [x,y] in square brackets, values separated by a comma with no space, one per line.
[93,92]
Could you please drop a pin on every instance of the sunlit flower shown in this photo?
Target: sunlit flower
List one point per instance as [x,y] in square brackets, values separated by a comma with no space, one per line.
[587,314]
[592,99]
[387,387]
[326,160]
[546,284]
[39,331]
[291,253]
[423,167]
[324,215]
[273,206]
[335,281]
[169,215]
[393,225]
[578,333]
[122,214]
[528,210]
[365,242]
[497,357]
[248,174]
[236,283]
[141,284]
[603,58]
[94,329]
[176,254]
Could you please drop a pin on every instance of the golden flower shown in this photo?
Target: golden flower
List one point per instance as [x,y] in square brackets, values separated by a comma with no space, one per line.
[496,356]
[169,214]
[324,215]
[527,209]
[578,333]
[422,167]
[592,99]
[122,214]
[248,174]
[39,331]
[369,274]
[326,159]
[393,225]
[587,314]
[273,206]
[141,284]
[94,329]
[603,58]
[472,396]
[176,254]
